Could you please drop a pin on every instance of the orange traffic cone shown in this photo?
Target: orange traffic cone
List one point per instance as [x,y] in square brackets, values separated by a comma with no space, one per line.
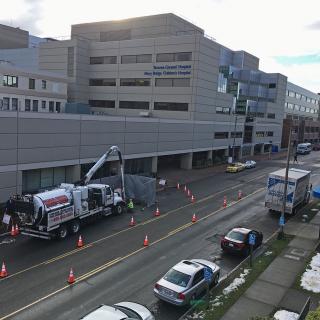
[132,222]
[3,272]
[16,230]
[157,213]
[146,241]
[185,188]
[13,231]
[194,218]
[80,242]
[71,278]
[224,201]
[189,193]
[193,199]
[178,186]
[239,195]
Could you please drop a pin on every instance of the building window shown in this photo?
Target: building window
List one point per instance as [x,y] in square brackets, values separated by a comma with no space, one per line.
[51,106]
[35,105]
[140,58]
[172,82]
[110,104]
[307,109]
[296,107]
[108,82]
[5,103]
[143,105]
[298,96]
[10,81]
[269,133]
[172,57]
[271,115]
[44,84]
[14,104]
[292,94]
[70,62]
[303,98]
[290,106]
[133,82]
[103,60]
[32,83]
[237,134]
[221,135]
[223,110]
[272,85]
[58,107]
[222,83]
[171,106]
[260,134]
[302,108]
[43,104]
[27,105]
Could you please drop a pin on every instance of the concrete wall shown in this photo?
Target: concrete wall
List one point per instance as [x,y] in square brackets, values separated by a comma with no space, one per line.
[11,38]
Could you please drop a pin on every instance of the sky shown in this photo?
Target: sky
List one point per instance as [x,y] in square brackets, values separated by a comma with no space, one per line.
[284,34]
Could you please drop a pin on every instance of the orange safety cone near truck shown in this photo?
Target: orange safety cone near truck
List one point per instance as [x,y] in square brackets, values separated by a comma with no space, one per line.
[80,242]
[157,212]
[13,231]
[178,186]
[3,272]
[239,195]
[194,218]
[224,201]
[71,278]
[193,199]
[185,188]
[132,222]
[189,193]
[16,230]
[146,241]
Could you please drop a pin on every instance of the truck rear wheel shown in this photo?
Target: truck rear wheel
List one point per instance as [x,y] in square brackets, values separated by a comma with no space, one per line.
[74,226]
[62,232]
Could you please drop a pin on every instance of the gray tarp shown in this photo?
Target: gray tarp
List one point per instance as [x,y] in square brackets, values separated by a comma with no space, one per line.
[139,188]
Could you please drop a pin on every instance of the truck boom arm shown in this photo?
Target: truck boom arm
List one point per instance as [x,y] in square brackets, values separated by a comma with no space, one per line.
[114,149]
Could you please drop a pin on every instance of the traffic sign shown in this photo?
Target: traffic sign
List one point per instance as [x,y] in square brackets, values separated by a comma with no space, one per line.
[281,221]
[208,274]
[252,239]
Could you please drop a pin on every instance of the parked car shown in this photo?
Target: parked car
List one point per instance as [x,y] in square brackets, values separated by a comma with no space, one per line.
[250,164]
[316,147]
[186,281]
[235,167]
[120,311]
[237,240]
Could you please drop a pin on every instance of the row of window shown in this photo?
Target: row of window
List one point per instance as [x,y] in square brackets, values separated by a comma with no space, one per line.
[141,105]
[225,135]
[296,107]
[264,134]
[13,81]
[301,97]
[143,58]
[141,82]
[29,105]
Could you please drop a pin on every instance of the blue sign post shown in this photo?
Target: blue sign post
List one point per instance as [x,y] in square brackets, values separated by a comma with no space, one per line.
[252,242]
[281,221]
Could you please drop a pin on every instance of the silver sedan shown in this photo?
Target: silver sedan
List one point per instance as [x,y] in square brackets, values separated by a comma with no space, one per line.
[187,281]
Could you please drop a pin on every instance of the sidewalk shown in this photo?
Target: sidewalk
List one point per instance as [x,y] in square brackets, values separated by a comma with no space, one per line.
[274,288]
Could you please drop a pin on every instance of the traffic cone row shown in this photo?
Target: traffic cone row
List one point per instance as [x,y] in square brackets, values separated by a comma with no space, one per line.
[132,222]
[178,186]
[14,230]
[71,278]
[80,242]
[193,199]
[146,241]
[194,218]
[3,272]
[157,212]
[239,195]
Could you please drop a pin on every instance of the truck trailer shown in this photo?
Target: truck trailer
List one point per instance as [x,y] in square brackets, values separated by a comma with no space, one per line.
[57,212]
[298,190]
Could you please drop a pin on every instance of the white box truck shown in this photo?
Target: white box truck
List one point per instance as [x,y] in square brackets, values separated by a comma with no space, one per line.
[298,190]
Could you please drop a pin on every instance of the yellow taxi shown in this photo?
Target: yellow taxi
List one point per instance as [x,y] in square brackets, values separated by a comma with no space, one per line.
[235,167]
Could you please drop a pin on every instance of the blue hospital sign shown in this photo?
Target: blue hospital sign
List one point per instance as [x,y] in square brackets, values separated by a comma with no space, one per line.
[252,239]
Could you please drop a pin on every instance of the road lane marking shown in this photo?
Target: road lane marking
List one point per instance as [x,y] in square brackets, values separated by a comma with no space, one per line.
[119,259]
[91,244]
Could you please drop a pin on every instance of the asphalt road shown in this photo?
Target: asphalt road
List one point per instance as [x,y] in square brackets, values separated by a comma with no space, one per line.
[114,266]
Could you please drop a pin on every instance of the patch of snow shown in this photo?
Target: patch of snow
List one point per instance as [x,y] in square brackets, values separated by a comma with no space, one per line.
[285,315]
[267,253]
[196,315]
[237,282]
[310,279]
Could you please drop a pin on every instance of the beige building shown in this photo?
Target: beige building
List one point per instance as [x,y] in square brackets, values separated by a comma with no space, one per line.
[11,38]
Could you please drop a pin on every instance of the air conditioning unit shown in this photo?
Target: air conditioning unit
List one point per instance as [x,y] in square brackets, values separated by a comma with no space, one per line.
[145,114]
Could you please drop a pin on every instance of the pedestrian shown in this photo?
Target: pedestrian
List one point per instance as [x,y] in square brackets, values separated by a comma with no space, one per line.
[295,158]
[130,205]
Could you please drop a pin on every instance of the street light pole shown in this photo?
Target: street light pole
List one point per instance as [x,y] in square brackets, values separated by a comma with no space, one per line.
[234,136]
[284,201]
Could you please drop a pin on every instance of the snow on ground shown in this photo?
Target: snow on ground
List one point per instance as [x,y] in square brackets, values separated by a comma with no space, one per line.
[285,315]
[237,282]
[267,253]
[310,279]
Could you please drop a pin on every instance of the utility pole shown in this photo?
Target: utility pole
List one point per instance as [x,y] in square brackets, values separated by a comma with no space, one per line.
[281,232]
